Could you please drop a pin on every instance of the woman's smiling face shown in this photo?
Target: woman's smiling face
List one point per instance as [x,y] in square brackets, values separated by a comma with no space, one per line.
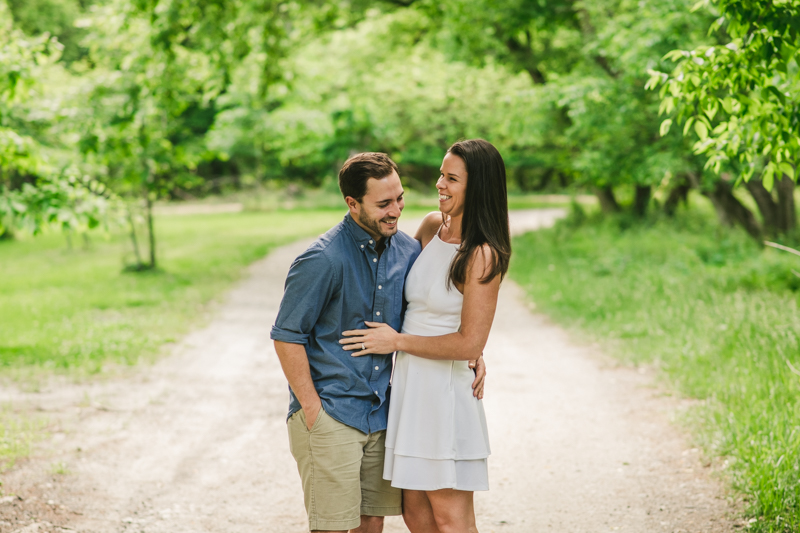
[452,185]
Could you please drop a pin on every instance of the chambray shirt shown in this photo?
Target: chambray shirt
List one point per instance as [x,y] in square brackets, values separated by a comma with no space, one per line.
[334,286]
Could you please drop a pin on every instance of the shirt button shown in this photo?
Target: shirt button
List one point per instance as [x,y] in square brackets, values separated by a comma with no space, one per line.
[377,368]
[374,259]
[380,287]
[362,246]
[376,392]
[378,313]
[370,242]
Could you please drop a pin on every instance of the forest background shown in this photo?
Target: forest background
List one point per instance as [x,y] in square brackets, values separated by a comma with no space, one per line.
[149,99]
[681,117]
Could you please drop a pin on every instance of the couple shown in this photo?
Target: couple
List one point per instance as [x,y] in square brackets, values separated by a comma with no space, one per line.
[422,455]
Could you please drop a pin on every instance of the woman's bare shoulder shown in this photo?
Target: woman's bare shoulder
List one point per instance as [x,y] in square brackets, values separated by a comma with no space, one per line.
[481,261]
[429,226]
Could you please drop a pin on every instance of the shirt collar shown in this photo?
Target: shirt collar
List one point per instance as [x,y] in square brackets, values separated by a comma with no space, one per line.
[360,236]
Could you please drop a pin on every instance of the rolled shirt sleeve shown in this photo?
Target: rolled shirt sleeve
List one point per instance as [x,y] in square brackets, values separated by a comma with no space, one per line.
[309,287]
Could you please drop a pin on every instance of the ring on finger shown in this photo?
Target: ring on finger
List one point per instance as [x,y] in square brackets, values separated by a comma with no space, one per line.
[363,347]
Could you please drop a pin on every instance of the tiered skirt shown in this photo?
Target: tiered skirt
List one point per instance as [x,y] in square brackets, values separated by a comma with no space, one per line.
[437,436]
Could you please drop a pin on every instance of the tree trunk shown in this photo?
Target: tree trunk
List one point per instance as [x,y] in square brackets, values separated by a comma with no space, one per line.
[150,233]
[729,209]
[678,194]
[787,214]
[766,205]
[641,200]
[608,203]
[135,241]
[723,199]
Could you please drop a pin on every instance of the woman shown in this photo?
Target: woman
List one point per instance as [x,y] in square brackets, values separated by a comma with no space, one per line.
[437,442]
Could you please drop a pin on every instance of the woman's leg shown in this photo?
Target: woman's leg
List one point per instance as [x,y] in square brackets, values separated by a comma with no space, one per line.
[453,510]
[418,513]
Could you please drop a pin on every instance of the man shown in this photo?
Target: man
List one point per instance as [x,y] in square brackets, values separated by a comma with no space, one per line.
[338,403]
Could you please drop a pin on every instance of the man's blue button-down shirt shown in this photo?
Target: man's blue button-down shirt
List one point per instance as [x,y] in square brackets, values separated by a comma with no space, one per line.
[334,286]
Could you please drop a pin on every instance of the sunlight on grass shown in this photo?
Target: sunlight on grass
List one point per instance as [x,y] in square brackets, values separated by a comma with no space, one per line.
[77,310]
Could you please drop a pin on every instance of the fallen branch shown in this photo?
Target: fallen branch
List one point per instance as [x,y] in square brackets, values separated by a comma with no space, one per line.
[782,247]
[792,368]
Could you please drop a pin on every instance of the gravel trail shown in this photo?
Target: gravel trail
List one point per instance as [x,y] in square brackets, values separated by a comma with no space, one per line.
[198,441]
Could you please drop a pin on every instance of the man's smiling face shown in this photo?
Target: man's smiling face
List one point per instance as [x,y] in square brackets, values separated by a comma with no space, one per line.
[381,206]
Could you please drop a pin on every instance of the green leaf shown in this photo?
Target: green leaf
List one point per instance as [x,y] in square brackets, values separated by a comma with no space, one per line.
[711,110]
[688,125]
[665,126]
[787,169]
[727,105]
[774,90]
[768,176]
[667,106]
[701,129]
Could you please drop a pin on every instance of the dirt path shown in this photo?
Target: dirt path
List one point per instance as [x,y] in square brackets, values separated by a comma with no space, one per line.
[198,441]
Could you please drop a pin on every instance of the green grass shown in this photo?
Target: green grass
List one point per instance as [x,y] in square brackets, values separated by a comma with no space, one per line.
[717,314]
[77,311]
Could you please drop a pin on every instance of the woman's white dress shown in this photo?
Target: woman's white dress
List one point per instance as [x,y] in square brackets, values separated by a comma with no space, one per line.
[436,436]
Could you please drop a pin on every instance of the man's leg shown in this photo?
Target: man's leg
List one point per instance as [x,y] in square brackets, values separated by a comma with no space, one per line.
[329,462]
[369,524]
[378,497]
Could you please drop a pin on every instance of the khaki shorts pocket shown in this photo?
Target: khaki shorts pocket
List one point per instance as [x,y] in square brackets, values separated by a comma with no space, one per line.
[299,418]
[316,424]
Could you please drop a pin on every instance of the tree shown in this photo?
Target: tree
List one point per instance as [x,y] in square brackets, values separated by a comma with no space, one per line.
[590,60]
[741,99]
[370,87]
[34,193]
[159,69]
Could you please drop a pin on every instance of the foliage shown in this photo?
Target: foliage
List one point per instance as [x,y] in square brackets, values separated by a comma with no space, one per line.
[590,60]
[370,88]
[33,193]
[741,97]
[71,204]
[704,304]
[54,17]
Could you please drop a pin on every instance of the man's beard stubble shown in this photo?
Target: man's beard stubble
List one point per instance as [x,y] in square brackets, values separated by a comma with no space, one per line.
[374,225]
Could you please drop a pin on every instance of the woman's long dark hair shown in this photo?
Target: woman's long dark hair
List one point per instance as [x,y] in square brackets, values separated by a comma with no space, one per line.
[485,219]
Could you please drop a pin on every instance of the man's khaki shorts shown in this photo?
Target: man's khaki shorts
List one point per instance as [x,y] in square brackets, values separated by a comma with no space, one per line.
[342,473]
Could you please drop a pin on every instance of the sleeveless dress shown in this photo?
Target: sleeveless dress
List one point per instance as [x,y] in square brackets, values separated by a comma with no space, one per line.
[436,436]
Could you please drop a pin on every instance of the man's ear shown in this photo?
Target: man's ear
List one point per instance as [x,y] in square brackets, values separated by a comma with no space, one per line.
[352,203]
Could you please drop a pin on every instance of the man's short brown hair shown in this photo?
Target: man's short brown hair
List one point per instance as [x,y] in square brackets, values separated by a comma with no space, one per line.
[361,167]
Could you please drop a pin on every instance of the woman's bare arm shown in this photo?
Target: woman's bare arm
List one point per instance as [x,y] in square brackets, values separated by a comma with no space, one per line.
[477,314]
